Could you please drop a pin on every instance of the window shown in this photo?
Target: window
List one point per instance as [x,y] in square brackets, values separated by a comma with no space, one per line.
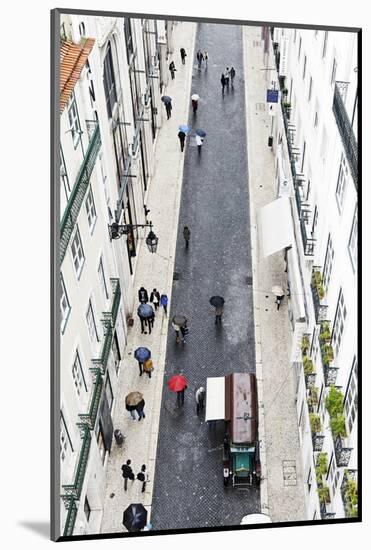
[78,375]
[339,323]
[77,253]
[299,51]
[353,241]
[333,72]
[87,509]
[66,447]
[304,66]
[315,221]
[309,479]
[310,89]
[120,151]
[73,117]
[333,474]
[327,269]
[342,182]
[101,445]
[65,184]
[90,210]
[109,82]
[65,306]
[102,279]
[351,396]
[82,29]
[109,392]
[92,327]
[128,39]
[324,47]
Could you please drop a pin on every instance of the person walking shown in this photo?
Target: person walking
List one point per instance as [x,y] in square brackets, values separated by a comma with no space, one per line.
[199,142]
[278,301]
[218,315]
[186,235]
[222,80]
[226,76]
[150,322]
[127,473]
[168,107]
[143,477]
[183,55]
[233,74]
[163,302]
[143,323]
[181,136]
[140,363]
[184,331]
[155,298]
[199,58]
[180,396]
[142,295]
[200,399]
[148,367]
[140,410]
[194,105]
[206,57]
[177,330]
[172,70]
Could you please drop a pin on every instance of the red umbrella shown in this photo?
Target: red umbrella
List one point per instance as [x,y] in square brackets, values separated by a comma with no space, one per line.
[177,382]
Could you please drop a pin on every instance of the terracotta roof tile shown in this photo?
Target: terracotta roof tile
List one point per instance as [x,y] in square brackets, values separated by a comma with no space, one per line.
[73,59]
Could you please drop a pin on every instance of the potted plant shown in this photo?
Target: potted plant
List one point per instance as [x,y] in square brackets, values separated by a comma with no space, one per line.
[337,425]
[323,494]
[351,497]
[317,284]
[285,92]
[321,464]
[308,365]
[304,344]
[315,423]
[324,333]
[313,396]
[334,402]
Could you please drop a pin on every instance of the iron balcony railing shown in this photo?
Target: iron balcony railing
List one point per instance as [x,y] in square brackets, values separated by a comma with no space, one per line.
[79,191]
[320,309]
[342,453]
[317,441]
[345,129]
[71,507]
[308,242]
[324,513]
[90,418]
[74,490]
[112,314]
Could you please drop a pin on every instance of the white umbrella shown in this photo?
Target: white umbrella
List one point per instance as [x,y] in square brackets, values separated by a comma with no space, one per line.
[278,290]
[255,518]
[196,97]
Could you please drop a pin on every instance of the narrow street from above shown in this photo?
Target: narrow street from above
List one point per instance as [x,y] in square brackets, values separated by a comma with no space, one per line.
[188,482]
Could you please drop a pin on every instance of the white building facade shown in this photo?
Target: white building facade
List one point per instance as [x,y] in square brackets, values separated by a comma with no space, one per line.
[315,142]
[112,75]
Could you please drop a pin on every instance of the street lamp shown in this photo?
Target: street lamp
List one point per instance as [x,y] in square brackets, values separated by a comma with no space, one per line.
[116,231]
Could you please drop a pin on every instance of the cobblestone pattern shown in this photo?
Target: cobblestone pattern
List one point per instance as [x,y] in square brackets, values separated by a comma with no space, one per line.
[188,483]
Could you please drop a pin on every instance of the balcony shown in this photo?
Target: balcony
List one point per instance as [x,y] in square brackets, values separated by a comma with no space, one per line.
[327,354]
[69,526]
[90,418]
[342,452]
[308,242]
[74,490]
[102,361]
[325,513]
[349,493]
[79,190]
[345,129]
[318,294]
[112,314]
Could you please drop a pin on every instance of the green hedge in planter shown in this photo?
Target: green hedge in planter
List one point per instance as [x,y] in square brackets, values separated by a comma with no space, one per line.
[308,365]
[317,283]
[305,344]
[325,333]
[321,464]
[351,497]
[323,493]
[315,423]
[334,402]
[337,425]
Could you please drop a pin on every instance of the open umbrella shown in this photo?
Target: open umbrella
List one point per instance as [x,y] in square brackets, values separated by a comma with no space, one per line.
[184,128]
[145,310]
[179,320]
[217,301]
[200,132]
[133,398]
[166,99]
[142,354]
[176,383]
[135,517]
[278,290]
[195,97]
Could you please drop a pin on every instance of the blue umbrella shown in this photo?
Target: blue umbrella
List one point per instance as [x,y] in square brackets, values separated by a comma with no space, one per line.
[184,128]
[142,354]
[200,132]
[166,99]
[145,310]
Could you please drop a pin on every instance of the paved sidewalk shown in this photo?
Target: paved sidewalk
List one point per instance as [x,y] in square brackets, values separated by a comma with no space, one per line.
[282,492]
[153,271]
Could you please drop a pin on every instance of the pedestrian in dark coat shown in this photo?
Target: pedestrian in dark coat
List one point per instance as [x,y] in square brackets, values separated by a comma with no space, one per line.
[143,477]
[233,74]
[163,302]
[155,298]
[140,410]
[194,105]
[172,70]
[200,399]
[184,330]
[186,235]
[181,136]
[143,324]
[226,76]
[200,58]
[222,80]
[148,367]
[218,315]
[142,295]
[150,321]
[127,473]
[180,396]
[168,107]
[183,55]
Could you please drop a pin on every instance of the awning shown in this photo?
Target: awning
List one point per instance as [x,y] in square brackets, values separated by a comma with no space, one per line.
[72,60]
[276,231]
[215,398]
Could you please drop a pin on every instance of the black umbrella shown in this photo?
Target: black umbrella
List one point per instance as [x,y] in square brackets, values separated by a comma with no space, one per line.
[166,99]
[200,132]
[217,301]
[135,517]
[179,320]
